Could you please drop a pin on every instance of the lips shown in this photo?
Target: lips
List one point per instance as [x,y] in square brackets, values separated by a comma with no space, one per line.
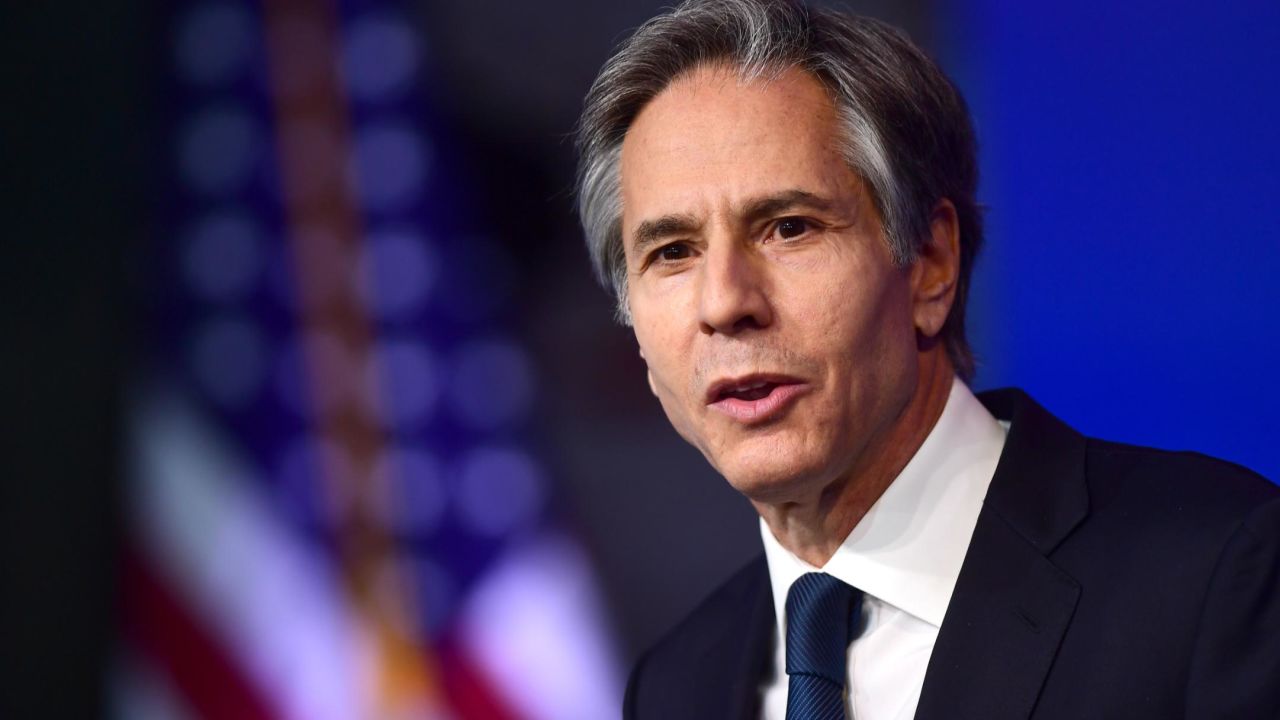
[754,398]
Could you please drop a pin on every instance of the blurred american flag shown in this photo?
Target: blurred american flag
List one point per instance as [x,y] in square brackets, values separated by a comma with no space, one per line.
[335,508]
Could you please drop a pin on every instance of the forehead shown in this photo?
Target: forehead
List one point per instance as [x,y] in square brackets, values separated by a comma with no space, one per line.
[713,137]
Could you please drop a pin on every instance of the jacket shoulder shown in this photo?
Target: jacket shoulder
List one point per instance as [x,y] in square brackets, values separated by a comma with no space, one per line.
[1206,488]
[1052,471]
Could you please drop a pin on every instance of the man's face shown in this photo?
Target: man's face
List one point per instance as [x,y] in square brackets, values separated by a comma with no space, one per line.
[778,333]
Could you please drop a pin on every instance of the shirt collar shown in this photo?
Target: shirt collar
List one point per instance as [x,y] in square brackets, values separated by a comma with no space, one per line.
[908,548]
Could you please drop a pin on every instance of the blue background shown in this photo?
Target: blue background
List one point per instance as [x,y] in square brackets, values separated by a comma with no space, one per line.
[1129,164]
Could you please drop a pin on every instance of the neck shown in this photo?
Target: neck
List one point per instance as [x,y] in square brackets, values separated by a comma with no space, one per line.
[813,530]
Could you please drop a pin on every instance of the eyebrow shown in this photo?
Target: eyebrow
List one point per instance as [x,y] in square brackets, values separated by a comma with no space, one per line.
[652,232]
[655,231]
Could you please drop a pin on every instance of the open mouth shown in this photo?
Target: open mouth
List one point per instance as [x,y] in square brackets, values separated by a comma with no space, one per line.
[753,391]
[754,398]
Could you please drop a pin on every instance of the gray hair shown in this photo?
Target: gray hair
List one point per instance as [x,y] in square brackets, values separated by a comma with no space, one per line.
[907,130]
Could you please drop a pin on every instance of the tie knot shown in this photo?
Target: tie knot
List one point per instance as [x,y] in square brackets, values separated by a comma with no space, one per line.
[821,617]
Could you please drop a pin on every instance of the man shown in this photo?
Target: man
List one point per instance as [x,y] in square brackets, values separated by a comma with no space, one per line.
[783,201]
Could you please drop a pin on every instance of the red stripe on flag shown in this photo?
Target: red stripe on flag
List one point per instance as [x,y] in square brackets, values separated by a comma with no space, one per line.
[469,694]
[164,630]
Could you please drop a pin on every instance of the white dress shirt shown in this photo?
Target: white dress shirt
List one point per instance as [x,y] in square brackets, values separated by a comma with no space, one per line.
[905,555]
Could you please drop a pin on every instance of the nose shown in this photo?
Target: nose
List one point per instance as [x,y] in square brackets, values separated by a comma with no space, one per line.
[733,297]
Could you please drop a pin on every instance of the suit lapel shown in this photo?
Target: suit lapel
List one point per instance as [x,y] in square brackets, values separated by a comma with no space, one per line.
[1011,605]
[1001,631]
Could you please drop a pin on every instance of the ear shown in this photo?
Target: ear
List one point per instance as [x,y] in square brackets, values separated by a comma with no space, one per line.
[934,273]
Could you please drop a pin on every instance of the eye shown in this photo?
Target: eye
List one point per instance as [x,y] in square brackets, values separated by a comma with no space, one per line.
[672,252]
[791,227]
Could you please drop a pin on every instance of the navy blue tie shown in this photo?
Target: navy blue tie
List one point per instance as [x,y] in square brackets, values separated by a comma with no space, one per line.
[822,616]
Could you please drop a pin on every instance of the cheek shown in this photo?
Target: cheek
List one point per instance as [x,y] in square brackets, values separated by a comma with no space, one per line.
[666,363]
[667,381]
[657,320]
[670,365]
[861,323]
[834,312]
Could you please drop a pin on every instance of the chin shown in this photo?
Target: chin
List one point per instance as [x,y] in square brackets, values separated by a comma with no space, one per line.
[769,477]
[771,465]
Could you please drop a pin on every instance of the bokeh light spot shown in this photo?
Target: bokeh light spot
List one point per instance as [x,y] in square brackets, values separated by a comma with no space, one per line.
[219,149]
[491,383]
[389,166]
[228,359]
[223,256]
[500,490]
[413,491]
[406,380]
[398,270]
[214,42]
[380,57]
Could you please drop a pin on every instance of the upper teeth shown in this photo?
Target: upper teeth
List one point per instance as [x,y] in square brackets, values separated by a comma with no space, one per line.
[753,386]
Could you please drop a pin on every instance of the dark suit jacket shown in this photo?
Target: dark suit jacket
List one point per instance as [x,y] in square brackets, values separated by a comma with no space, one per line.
[1102,581]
